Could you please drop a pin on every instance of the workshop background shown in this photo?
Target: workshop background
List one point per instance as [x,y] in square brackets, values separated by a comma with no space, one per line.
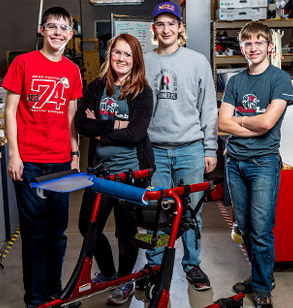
[212,28]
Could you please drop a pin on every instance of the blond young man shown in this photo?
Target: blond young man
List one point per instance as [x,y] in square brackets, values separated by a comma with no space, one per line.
[183,128]
[252,111]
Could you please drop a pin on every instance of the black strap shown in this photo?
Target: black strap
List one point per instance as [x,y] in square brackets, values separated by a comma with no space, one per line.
[139,214]
[202,199]
[117,178]
[187,190]
[130,180]
[157,218]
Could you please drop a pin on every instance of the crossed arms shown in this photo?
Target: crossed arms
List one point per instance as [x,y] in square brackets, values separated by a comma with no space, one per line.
[252,126]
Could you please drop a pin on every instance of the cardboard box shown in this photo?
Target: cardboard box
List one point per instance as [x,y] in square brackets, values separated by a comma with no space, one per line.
[91,60]
[214,7]
[242,14]
[241,3]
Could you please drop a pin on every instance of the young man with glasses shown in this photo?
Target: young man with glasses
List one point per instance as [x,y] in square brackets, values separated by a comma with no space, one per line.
[183,129]
[42,90]
[252,111]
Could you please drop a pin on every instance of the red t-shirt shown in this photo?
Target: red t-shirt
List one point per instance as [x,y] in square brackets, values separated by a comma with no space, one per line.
[46,87]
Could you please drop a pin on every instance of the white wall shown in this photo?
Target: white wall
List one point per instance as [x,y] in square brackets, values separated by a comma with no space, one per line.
[198,25]
[286,146]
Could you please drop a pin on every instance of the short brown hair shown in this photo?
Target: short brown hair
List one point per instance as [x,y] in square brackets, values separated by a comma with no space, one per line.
[58,13]
[256,28]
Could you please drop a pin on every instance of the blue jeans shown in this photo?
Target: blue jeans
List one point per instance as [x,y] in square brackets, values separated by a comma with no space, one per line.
[185,162]
[253,187]
[42,227]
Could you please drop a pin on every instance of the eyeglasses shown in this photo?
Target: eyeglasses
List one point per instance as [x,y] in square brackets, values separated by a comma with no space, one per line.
[257,44]
[170,24]
[118,54]
[51,26]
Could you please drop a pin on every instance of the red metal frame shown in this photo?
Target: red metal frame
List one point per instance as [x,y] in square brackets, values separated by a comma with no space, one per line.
[235,298]
[85,287]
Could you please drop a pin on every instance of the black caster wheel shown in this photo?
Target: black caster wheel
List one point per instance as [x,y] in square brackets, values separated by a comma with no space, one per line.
[149,291]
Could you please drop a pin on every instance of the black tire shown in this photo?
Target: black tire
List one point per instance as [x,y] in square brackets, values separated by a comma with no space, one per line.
[149,291]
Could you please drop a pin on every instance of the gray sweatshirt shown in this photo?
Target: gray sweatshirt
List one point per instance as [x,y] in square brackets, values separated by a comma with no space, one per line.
[185,106]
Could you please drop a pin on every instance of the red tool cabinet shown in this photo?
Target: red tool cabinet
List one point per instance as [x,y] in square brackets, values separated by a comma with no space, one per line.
[283,230]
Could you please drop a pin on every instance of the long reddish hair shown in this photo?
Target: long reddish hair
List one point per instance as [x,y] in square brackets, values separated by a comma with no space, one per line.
[136,81]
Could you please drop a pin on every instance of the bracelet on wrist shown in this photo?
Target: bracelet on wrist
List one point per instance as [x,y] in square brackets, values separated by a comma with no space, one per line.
[77,153]
[242,121]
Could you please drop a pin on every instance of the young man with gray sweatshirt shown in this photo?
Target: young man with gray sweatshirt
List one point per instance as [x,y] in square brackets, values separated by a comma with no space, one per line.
[183,129]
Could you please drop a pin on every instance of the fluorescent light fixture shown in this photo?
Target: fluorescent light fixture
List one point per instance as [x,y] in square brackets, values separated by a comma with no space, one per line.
[115,2]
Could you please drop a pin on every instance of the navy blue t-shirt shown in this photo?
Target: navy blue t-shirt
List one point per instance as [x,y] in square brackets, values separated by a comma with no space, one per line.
[251,95]
[116,158]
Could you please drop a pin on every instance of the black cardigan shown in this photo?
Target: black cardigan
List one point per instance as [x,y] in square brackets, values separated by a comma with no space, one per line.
[140,112]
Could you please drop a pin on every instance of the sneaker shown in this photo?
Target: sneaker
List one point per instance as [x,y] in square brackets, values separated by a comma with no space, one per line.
[121,294]
[245,286]
[236,234]
[263,300]
[100,278]
[198,279]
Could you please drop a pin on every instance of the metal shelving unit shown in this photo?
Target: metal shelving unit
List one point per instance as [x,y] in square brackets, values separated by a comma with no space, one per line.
[224,61]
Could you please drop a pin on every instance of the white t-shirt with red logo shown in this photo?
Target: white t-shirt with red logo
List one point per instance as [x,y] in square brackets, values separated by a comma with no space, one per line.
[46,88]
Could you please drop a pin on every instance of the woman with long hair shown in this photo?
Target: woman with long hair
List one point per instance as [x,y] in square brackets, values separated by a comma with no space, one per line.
[114,113]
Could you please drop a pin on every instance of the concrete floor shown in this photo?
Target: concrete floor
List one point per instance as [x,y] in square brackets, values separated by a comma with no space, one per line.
[222,260]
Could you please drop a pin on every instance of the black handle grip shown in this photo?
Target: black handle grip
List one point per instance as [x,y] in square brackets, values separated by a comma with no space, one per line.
[55,175]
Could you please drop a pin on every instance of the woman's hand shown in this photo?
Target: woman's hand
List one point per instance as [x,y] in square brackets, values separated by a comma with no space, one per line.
[117,124]
[123,124]
[90,114]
